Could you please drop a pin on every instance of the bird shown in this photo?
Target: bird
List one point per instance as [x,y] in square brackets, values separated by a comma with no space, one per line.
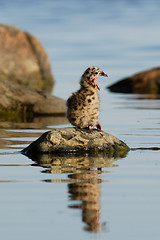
[83,105]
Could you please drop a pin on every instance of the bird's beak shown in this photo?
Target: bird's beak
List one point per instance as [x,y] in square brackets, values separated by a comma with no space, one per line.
[105,75]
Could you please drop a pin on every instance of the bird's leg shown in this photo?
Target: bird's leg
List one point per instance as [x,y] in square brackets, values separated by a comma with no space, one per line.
[98,126]
[99,88]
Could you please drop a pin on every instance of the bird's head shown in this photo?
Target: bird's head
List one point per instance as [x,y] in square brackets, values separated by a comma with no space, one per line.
[90,76]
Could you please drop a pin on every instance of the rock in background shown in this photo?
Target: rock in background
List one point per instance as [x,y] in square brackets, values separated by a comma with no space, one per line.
[19,100]
[23,59]
[25,77]
[144,82]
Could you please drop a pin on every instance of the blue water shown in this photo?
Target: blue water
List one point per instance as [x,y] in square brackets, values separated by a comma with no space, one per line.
[122,38]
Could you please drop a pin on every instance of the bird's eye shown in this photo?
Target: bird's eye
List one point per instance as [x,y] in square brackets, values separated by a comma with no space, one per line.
[96,72]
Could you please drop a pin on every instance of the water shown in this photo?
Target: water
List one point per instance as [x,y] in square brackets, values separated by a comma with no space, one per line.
[67,200]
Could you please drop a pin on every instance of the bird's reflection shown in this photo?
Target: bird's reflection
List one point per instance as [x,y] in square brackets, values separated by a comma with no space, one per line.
[87,191]
[84,183]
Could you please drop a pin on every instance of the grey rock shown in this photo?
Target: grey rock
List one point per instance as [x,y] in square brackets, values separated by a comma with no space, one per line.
[77,141]
[17,99]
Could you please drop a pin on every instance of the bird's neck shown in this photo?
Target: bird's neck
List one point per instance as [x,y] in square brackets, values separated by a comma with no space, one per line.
[89,83]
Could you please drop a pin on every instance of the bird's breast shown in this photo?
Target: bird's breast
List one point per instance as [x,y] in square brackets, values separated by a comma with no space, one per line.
[87,99]
[83,108]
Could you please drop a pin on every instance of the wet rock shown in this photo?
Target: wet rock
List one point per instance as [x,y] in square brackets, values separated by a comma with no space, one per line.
[144,82]
[23,59]
[77,141]
[18,100]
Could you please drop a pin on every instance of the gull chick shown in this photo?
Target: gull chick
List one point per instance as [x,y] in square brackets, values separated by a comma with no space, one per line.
[83,105]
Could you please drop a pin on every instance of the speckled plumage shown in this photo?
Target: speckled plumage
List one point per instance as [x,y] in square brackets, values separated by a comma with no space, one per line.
[83,105]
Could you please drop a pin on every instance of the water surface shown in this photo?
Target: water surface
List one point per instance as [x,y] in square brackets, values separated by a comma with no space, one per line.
[72,198]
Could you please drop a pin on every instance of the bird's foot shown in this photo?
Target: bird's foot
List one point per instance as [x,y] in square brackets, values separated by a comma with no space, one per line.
[98,126]
[90,127]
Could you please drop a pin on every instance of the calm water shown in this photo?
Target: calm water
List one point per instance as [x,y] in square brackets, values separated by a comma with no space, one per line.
[65,200]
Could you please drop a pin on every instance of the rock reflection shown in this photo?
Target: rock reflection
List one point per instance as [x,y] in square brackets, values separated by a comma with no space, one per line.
[148,97]
[38,122]
[84,182]
[14,139]
[72,163]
